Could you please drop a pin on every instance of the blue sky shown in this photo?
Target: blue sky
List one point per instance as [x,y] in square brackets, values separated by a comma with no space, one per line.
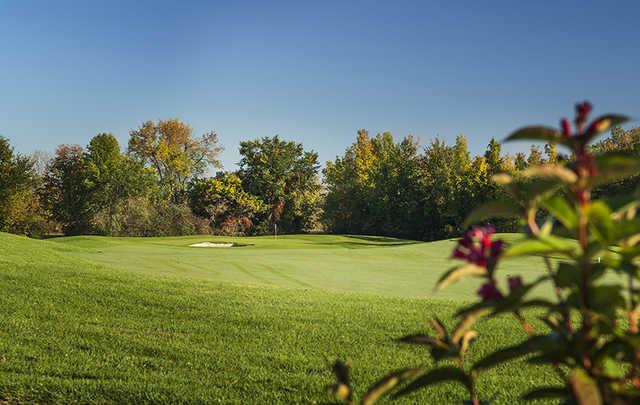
[313,72]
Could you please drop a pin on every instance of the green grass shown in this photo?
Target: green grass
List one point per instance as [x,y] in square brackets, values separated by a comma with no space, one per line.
[91,319]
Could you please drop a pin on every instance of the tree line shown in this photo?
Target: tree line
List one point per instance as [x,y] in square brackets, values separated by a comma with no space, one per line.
[160,185]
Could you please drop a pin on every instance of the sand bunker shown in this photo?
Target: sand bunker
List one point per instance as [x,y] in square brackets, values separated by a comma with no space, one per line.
[213,244]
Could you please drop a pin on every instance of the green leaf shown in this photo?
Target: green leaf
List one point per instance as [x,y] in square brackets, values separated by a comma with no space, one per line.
[542,245]
[600,221]
[568,275]
[546,393]
[389,382]
[456,273]
[584,388]
[537,133]
[551,171]
[626,229]
[562,211]
[605,298]
[434,377]
[493,209]
[613,166]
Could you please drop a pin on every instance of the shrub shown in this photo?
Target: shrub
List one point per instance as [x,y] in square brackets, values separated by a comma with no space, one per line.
[591,336]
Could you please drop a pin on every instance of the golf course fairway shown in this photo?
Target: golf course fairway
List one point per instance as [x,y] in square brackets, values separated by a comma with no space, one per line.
[113,320]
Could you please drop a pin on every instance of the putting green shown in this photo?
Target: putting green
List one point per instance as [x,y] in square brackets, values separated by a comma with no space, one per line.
[363,264]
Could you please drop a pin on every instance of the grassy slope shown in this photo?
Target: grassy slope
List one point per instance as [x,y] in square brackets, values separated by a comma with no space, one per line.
[122,320]
[377,265]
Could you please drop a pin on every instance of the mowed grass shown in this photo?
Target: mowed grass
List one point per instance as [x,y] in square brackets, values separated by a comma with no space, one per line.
[92,319]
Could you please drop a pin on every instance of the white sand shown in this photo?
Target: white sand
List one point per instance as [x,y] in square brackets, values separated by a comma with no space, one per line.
[212,245]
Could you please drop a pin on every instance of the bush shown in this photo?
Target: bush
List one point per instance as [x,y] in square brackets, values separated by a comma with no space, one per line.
[142,216]
[591,337]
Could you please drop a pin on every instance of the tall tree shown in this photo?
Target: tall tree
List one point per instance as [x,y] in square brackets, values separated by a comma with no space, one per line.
[112,178]
[281,173]
[493,158]
[65,189]
[16,176]
[170,148]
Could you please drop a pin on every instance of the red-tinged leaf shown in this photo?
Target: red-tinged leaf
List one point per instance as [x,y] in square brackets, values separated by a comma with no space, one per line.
[604,123]
[389,382]
[538,133]
[584,388]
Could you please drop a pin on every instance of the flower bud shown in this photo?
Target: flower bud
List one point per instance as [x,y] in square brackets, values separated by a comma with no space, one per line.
[515,283]
[489,291]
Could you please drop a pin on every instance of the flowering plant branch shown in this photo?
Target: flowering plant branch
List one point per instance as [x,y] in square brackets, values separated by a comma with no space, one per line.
[591,335]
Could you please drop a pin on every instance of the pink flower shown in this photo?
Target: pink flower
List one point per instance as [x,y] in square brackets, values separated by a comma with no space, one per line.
[477,246]
[515,283]
[489,291]
[566,128]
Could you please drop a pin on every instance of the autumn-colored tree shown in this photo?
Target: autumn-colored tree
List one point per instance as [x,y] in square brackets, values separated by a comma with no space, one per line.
[222,200]
[170,148]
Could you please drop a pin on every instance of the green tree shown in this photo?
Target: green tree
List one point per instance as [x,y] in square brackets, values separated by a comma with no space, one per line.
[521,161]
[65,190]
[535,156]
[493,157]
[111,178]
[16,180]
[280,173]
[177,157]
[223,200]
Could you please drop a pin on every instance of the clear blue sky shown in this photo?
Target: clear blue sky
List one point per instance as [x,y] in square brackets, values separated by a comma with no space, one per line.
[314,72]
